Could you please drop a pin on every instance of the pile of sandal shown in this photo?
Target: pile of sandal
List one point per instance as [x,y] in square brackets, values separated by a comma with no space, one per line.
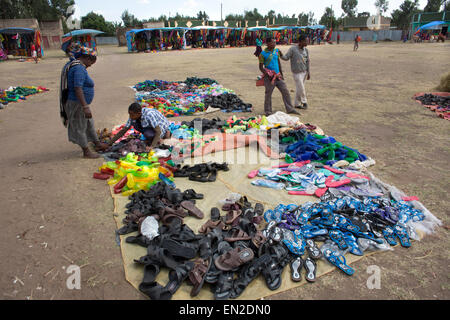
[203,172]
[228,102]
[345,224]
[439,104]
[228,253]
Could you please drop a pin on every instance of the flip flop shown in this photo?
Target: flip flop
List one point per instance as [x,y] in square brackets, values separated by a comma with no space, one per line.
[192,209]
[311,268]
[296,268]
[338,237]
[339,261]
[402,234]
[389,235]
[313,251]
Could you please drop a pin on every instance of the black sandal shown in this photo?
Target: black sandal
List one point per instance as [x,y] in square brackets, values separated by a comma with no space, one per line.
[224,286]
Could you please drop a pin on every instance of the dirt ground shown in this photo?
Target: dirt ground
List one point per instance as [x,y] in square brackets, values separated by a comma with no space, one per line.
[54,214]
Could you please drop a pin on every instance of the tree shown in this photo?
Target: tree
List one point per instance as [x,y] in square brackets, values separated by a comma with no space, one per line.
[401,17]
[364,14]
[328,19]
[98,22]
[382,5]
[270,15]
[311,20]
[129,20]
[252,15]
[234,17]
[39,9]
[303,19]
[433,5]
[349,7]
[202,15]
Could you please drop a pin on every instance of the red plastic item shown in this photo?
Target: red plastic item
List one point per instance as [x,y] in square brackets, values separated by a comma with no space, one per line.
[413,198]
[320,192]
[335,184]
[101,176]
[118,187]
[107,171]
[333,170]
[300,193]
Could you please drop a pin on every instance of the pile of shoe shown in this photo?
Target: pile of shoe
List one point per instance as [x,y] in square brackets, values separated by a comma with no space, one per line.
[194,81]
[324,149]
[346,224]
[162,202]
[438,104]
[228,253]
[228,102]
[203,172]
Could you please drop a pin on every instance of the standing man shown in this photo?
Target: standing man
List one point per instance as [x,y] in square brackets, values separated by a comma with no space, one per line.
[356,45]
[299,56]
[270,66]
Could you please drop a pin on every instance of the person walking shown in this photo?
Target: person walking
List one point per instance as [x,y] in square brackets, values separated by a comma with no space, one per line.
[356,45]
[76,100]
[270,66]
[299,56]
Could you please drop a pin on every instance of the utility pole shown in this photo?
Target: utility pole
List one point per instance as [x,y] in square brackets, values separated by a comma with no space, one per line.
[221,20]
[331,17]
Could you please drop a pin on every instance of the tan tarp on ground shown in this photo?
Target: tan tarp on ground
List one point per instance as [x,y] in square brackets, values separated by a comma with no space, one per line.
[236,181]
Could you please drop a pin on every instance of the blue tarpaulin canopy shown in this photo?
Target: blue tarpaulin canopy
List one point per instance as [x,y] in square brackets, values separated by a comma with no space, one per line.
[432,25]
[82,32]
[16,30]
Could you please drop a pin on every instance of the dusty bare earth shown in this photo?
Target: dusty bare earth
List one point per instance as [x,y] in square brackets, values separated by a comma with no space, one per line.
[53,214]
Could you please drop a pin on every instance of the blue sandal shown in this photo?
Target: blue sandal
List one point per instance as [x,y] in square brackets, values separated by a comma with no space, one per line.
[402,234]
[339,261]
[389,235]
[338,237]
[352,244]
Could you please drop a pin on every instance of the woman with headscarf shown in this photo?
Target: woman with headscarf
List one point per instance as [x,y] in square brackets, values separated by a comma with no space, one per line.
[76,99]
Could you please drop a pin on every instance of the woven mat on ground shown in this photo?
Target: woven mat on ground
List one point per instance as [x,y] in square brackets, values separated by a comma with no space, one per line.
[235,181]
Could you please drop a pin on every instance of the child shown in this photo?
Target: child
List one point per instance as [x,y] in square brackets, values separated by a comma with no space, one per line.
[34,53]
[150,122]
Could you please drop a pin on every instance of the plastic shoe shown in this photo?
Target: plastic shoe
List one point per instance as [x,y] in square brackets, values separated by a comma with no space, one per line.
[339,261]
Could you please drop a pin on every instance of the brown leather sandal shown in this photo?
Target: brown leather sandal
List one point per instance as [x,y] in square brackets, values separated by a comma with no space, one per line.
[192,209]
[209,225]
[198,274]
[237,234]
[232,216]
[234,258]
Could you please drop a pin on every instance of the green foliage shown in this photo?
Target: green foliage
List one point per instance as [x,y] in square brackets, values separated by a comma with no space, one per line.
[42,10]
[98,22]
[328,19]
[129,20]
[349,7]
[401,17]
[433,5]
[383,5]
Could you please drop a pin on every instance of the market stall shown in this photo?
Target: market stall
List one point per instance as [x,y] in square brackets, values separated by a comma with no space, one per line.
[18,41]
[84,37]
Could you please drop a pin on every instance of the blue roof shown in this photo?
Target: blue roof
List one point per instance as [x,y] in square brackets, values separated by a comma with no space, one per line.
[82,32]
[16,30]
[432,25]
